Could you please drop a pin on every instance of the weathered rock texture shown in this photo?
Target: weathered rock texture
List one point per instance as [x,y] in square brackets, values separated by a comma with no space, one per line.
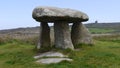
[52,60]
[80,34]
[62,35]
[61,17]
[51,57]
[45,41]
[52,14]
[50,54]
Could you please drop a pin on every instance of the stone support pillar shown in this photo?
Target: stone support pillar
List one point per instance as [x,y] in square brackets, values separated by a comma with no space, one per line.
[62,35]
[45,41]
[80,34]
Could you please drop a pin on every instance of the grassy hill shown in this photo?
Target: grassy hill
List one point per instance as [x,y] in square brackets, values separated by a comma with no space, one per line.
[104,54]
[95,28]
[115,25]
[98,28]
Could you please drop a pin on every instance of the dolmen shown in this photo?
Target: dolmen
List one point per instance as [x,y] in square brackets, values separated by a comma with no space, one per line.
[61,17]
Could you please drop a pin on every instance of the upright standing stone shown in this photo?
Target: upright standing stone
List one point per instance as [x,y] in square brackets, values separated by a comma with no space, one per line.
[45,41]
[80,34]
[62,35]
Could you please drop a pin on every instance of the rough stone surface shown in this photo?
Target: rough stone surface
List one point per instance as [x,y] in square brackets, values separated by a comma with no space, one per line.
[80,34]
[52,60]
[52,14]
[62,35]
[45,41]
[51,57]
[52,36]
[50,54]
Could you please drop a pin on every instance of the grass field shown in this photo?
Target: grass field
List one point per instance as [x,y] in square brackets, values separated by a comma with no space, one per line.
[104,54]
[100,30]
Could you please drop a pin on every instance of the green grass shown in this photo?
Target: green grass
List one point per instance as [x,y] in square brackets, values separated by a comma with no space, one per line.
[104,54]
[100,30]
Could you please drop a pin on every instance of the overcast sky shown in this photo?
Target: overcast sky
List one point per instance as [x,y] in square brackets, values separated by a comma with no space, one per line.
[18,13]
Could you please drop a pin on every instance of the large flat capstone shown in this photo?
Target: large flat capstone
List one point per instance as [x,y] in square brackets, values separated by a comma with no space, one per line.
[53,14]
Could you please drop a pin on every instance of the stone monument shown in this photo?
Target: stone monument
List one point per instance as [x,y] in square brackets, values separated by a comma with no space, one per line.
[61,17]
